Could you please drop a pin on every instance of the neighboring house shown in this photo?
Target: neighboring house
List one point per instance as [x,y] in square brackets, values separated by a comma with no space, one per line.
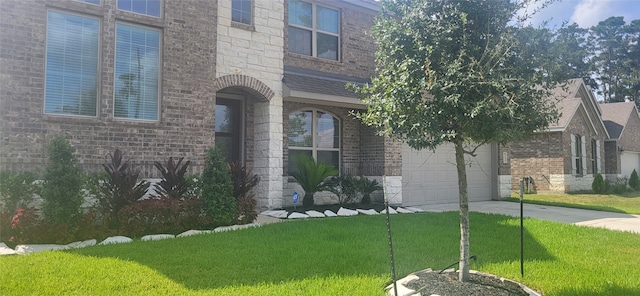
[567,155]
[262,80]
[622,149]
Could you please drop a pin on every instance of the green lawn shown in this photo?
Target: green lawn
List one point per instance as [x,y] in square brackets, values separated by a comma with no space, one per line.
[626,203]
[335,256]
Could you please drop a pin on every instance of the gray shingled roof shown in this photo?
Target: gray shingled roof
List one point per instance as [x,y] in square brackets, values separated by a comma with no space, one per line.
[568,101]
[615,117]
[319,82]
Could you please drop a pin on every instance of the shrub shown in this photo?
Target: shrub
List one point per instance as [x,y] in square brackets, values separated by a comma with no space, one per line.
[174,184]
[23,224]
[121,188]
[162,215]
[16,191]
[62,184]
[366,187]
[619,186]
[243,181]
[311,175]
[345,187]
[633,181]
[598,185]
[216,190]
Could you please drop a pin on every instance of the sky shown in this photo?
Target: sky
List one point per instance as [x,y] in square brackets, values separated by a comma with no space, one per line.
[587,13]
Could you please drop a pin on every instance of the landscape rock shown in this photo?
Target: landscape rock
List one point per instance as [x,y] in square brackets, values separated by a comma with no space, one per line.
[28,249]
[404,211]
[5,250]
[368,212]
[116,240]
[329,213]
[276,213]
[415,210]
[194,232]
[391,211]
[82,244]
[226,228]
[346,212]
[315,214]
[296,215]
[153,237]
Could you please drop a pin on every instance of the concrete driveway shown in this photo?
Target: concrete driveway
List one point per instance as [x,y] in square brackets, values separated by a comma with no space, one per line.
[615,221]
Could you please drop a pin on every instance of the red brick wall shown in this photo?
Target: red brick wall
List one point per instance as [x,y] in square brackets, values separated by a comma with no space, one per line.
[186,124]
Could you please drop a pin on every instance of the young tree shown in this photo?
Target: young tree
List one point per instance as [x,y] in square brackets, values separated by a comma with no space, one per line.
[455,72]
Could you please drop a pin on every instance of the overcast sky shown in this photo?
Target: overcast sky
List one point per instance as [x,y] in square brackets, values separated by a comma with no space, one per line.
[587,13]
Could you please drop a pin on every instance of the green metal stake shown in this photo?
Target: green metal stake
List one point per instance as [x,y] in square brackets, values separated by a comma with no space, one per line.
[521,230]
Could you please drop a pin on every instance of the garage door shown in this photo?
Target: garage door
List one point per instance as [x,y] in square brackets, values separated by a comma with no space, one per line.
[630,161]
[432,178]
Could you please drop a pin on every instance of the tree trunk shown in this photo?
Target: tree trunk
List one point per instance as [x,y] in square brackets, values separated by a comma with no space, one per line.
[463,275]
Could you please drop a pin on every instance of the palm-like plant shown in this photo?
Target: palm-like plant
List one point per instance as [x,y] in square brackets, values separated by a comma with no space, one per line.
[174,184]
[366,187]
[311,176]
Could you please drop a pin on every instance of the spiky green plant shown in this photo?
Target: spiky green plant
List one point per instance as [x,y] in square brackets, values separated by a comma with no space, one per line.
[366,187]
[311,176]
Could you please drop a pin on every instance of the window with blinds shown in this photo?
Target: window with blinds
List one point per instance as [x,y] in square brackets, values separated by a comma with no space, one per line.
[71,79]
[136,72]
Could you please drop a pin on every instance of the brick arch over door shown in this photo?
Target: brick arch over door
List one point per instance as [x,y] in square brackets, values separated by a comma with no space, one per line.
[254,86]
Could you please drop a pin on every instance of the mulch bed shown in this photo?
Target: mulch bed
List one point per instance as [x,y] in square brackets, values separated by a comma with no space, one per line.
[445,284]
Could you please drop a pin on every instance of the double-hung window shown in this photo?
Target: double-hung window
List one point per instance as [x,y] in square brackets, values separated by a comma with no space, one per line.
[145,7]
[137,65]
[241,11]
[314,30]
[578,156]
[316,134]
[71,79]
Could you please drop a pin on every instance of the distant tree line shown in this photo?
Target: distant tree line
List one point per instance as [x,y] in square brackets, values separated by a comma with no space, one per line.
[606,56]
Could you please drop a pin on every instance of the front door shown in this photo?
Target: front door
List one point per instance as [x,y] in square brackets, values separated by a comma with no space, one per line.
[228,128]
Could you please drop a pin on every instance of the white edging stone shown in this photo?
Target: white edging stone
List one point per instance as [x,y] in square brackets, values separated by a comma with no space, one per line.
[153,237]
[391,211]
[194,232]
[404,211]
[116,240]
[315,214]
[5,250]
[29,249]
[82,244]
[329,213]
[346,212]
[296,215]
[368,212]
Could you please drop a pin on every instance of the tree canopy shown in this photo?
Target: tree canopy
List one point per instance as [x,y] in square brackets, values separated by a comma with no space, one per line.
[457,72]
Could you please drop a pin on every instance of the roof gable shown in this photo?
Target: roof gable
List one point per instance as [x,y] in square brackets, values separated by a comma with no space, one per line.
[574,95]
[616,116]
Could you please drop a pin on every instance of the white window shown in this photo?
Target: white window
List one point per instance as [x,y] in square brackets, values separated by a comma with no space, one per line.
[241,11]
[314,30]
[578,156]
[137,68]
[316,134]
[146,7]
[595,156]
[71,79]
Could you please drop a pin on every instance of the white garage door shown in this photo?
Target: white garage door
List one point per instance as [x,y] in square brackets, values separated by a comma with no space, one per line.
[432,178]
[630,161]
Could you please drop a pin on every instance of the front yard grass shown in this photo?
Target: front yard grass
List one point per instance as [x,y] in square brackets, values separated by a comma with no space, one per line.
[335,256]
[628,202]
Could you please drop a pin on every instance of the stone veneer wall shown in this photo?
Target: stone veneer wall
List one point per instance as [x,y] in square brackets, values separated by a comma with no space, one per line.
[185,126]
[257,52]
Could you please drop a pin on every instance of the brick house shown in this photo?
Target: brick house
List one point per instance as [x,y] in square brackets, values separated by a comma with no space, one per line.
[262,80]
[567,155]
[622,149]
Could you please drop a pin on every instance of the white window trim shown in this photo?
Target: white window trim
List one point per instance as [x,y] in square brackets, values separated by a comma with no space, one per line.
[314,31]
[314,123]
[159,90]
